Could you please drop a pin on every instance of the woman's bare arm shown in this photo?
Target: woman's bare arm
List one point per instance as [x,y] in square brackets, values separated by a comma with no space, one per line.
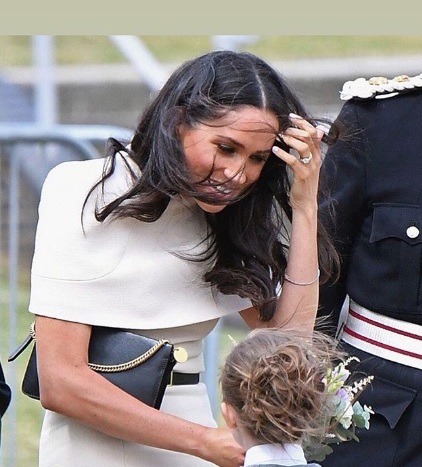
[68,386]
[297,304]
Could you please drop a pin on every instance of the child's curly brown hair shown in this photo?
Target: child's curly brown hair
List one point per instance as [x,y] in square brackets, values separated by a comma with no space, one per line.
[274,379]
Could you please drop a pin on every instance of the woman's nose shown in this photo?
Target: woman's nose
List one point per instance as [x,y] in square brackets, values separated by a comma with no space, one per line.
[235,174]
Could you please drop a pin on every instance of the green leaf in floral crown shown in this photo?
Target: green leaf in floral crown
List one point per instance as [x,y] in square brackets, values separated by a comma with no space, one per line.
[361,415]
[317,452]
[343,412]
[343,434]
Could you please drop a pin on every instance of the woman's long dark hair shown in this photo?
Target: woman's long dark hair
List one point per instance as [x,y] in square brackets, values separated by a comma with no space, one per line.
[248,252]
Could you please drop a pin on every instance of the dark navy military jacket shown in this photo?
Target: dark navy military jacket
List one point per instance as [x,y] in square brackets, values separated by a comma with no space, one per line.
[375,181]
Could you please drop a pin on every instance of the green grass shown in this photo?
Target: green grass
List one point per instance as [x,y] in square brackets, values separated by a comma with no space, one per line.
[16,50]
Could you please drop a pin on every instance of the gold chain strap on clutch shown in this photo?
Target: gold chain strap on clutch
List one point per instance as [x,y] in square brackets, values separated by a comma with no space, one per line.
[121,366]
[128,365]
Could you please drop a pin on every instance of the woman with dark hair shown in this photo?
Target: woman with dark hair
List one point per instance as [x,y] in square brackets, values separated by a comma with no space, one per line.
[211,209]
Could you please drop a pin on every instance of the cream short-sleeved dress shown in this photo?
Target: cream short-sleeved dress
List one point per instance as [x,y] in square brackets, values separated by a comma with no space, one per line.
[122,273]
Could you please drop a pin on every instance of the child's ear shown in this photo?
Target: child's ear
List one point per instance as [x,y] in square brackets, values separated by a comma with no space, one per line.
[229,415]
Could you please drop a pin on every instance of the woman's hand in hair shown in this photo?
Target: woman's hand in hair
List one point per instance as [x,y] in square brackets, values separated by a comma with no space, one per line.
[305,140]
[297,304]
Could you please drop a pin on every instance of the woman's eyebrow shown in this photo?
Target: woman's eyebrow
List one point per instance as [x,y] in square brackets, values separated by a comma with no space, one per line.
[229,139]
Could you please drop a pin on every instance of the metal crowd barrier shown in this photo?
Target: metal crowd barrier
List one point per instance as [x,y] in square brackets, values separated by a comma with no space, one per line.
[27,153]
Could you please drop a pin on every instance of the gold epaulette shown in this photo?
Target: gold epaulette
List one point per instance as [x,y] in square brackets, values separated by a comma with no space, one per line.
[379,87]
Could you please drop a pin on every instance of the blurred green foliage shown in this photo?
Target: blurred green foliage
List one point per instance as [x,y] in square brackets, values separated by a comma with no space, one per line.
[16,50]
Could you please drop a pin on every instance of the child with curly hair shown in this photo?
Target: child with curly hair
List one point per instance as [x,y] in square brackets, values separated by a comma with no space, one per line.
[274,395]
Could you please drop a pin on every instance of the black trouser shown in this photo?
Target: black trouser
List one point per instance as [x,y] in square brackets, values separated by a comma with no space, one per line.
[394,438]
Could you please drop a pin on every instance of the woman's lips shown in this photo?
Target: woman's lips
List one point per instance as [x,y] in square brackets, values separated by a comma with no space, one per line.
[220,189]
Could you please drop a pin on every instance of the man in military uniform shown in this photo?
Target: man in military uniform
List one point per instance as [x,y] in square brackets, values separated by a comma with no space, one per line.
[373,208]
[4,396]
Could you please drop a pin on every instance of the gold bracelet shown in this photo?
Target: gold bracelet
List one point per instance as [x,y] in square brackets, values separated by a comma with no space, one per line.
[288,279]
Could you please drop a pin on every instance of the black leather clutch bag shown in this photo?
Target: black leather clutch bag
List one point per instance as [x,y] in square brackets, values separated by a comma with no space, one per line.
[139,365]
